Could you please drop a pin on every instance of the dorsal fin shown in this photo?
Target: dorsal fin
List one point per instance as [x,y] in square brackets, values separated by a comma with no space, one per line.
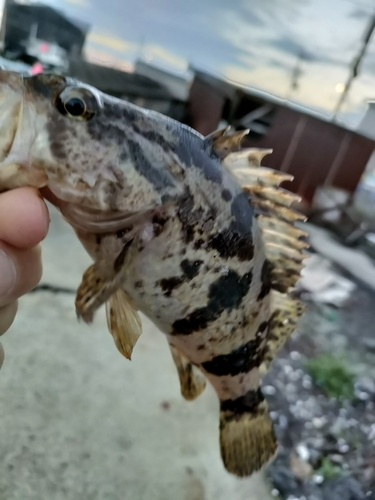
[224,142]
[249,157]
[284,243]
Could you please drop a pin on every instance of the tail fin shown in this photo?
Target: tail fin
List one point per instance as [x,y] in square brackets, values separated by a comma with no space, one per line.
[247,440]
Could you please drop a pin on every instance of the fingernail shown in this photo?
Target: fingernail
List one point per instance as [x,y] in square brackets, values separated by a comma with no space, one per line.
[7,274]
[45,215]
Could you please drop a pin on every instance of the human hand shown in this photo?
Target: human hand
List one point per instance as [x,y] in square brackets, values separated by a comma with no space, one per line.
[24,222]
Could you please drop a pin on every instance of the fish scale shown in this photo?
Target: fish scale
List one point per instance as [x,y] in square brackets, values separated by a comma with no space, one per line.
[189,230]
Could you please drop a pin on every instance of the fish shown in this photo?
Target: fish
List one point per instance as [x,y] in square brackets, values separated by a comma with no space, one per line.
[189,230]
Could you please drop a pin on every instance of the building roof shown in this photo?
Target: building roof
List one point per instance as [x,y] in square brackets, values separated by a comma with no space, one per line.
[115,82]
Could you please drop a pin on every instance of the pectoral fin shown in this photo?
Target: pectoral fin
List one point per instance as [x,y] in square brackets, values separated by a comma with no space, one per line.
[99,282]
[192,380]
[124,322]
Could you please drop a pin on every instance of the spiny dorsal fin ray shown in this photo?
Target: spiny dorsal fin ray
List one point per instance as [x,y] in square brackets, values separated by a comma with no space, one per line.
[249,157]
[277,195]
[211,138]
[224,142]
[260,175]
[279,251]
[267,222]
[275,210]
[271,236]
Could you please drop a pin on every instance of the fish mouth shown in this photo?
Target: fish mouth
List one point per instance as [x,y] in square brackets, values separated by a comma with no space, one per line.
[15,139]
[11,99]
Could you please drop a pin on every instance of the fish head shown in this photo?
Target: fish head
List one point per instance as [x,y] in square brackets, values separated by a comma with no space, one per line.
[85,147]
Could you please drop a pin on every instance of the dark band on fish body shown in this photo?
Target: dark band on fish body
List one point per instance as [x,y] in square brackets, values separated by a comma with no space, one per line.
[226,195]
[191,268]
[237,240]
[266,280]
[154,137]
[262,328]
[189,216]
[169,284]
[242,213]
[230,243]
[121,257]
[244,404]
[191,151]
[160,178]
[226,293]
[107,133]
[240,360]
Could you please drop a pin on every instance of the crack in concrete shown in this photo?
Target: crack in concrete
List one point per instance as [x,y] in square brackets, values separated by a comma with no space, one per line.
[45,287]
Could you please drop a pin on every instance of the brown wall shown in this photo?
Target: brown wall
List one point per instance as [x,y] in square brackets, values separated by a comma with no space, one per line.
[205,107]
[314,151]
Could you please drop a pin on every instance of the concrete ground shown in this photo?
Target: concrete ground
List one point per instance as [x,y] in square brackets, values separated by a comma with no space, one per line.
[80,422]
[357,263]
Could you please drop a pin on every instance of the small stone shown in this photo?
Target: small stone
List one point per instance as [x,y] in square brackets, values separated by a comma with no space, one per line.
[365,384]
[283,422]
[301,468]
[343,447]
[295,355]
[306,382]
[371,435]
[361,395]
[317,479]
[319,422]
[343,488]
[303,452]
[336,458]
[368,342]
[269,390]
[296,375]
[287,369]
[284,481]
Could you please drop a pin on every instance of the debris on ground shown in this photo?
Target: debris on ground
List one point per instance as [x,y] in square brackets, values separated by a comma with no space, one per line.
[323,284]
[321,393]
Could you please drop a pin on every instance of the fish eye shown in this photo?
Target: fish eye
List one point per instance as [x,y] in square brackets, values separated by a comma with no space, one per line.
[75,106]
[78,103]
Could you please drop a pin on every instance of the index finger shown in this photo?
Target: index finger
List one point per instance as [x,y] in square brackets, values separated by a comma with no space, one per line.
[24,218]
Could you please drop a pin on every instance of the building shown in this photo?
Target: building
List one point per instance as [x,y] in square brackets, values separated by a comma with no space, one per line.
[133,87]
[314,150]
[22,21]
[177,84]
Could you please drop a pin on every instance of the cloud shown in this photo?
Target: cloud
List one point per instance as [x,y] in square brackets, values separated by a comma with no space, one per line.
[265,78]
[154,51]
[110,42]
[80,3]
[103,58]
[360,13]
[295,48]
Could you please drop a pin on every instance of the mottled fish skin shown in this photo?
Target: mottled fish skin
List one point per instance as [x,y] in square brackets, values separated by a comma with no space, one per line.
[197,268]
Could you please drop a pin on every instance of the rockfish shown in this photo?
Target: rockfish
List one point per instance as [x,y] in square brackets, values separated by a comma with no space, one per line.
[189,230]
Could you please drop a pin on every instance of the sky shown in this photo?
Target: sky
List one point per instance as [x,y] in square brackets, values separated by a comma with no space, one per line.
[255,43]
